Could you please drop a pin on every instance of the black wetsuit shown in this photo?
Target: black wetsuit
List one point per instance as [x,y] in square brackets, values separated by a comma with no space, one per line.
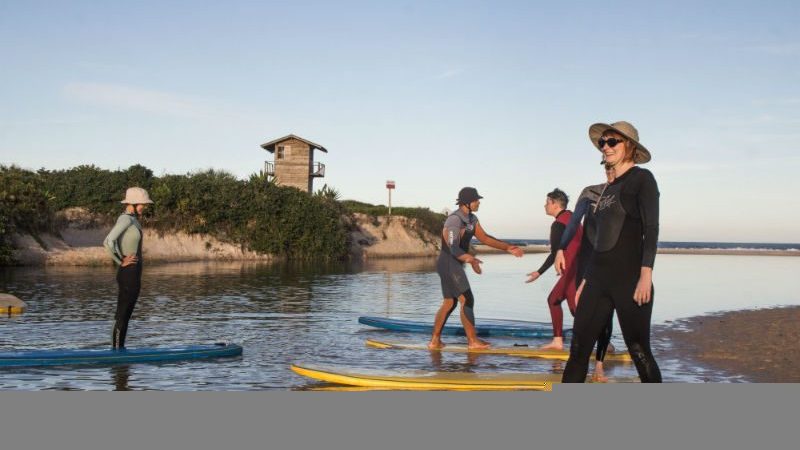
[129,280]
[626,240]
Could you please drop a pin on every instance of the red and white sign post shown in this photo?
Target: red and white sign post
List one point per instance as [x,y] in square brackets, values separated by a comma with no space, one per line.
[389,187]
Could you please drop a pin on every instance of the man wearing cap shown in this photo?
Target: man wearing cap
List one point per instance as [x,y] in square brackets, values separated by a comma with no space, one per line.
[620,271]
[124,244]
[459,228]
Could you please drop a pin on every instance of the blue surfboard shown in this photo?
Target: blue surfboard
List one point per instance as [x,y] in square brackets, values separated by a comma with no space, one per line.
[484,327]
[110,356]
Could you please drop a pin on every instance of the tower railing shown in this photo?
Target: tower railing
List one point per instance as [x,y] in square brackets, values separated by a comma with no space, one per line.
[318,170]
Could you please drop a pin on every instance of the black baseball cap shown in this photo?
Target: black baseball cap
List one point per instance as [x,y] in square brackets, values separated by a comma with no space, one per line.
[467,195]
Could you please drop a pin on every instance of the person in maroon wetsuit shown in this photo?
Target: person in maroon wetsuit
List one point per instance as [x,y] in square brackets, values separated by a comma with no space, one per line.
[556,205]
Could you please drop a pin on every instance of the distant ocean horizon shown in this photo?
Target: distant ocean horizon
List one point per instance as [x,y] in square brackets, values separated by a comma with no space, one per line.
[690,245]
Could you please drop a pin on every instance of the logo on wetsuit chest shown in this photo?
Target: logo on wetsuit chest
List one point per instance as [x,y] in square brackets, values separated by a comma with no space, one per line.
[606,202]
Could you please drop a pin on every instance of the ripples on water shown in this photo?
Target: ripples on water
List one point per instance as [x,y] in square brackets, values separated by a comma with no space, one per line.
[286,313]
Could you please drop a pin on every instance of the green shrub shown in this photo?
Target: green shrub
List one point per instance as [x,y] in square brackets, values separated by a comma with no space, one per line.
[25,201]
[254,213]
[91,187]
[293,223]
[5,241]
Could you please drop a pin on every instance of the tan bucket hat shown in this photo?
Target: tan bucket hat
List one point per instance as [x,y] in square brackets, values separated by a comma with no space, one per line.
[640,156]
[136,196]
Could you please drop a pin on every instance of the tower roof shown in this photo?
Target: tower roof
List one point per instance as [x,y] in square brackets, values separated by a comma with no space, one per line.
[270,146]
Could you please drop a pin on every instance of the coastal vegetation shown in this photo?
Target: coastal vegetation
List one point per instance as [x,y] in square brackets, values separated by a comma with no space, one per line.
[255,213]
[5,244]
[425,219]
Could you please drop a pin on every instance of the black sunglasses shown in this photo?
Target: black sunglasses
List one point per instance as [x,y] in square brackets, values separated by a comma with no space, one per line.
[612,142]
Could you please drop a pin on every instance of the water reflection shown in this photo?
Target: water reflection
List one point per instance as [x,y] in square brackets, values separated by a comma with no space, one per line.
[120,376]
[467,362]
[395,265]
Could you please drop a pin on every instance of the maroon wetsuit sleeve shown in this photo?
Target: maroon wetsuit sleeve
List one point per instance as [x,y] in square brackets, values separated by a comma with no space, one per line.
[648,199]
[556,230]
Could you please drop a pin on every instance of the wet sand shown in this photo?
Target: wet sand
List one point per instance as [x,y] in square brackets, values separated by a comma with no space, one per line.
[761,346]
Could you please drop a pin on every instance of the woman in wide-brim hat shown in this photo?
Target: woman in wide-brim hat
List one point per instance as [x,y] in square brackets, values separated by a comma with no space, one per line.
[124,244]
[620,273]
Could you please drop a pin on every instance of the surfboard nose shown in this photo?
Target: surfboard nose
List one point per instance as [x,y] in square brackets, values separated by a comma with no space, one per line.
[10,304]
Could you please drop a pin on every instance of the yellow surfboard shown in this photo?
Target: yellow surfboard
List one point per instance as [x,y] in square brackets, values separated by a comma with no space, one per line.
[10,304]
[528,352]
[421,380]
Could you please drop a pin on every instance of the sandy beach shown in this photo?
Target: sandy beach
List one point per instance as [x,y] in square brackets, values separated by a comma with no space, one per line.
[726,251]
[482,249]
[761,346]
[533,248]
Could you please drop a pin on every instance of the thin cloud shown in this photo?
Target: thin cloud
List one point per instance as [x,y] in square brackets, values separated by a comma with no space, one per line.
[55,121]
[781,49]
[107,67]
[448,74]
[790,101]
[670,167]
[136,99]
[544,84]
[722,166]
[704,37]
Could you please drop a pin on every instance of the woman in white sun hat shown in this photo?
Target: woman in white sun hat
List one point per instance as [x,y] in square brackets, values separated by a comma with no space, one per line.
[124,244]
[620,272]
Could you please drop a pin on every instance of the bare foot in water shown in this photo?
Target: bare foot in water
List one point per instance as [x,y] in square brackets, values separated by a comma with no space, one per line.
[435,344]
[599,375]
[555,344]
[599,378]
[478,344]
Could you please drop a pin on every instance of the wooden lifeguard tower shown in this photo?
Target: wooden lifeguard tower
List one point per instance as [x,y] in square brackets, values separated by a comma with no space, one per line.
[293,164]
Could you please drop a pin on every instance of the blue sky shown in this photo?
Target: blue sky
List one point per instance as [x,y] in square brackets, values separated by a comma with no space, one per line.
[435,95]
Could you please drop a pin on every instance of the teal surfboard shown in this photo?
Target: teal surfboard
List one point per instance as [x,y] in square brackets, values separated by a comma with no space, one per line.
[110,356]
[484,327]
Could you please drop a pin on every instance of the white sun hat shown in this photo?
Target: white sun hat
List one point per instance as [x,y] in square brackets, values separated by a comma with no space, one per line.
[136,196]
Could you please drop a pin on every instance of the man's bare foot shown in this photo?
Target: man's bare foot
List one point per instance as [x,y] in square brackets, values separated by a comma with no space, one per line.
[478,344]
[555,344]
[435,344]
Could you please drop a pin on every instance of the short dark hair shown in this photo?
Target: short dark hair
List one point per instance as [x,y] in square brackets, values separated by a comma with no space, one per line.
[559,197]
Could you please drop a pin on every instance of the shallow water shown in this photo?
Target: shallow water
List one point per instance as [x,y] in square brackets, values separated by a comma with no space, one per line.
[285,313]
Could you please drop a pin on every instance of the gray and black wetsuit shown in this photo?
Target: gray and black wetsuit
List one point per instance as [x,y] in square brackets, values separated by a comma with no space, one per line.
[584,209]
[625,241]
[459,228]
[125,239]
